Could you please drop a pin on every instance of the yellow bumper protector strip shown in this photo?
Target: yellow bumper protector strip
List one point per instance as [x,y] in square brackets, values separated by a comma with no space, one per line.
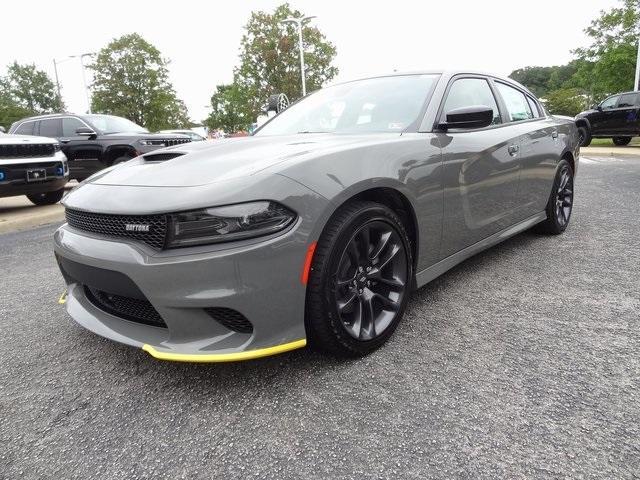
[224,357]
[63,298]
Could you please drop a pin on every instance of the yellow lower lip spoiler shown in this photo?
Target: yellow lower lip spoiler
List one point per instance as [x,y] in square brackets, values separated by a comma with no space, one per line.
[63,298]
[224,357]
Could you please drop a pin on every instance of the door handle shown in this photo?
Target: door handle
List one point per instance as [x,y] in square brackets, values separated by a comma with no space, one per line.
[513,150]
[554,134]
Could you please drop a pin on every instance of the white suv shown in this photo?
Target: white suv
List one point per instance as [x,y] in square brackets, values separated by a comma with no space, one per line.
[32,166]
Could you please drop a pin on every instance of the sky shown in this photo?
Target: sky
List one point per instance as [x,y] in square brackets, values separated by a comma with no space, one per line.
[202,38]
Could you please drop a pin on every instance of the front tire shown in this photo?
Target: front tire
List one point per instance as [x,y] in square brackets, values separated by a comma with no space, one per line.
[46,198]
[584,137]
[621,141]
[560,202]
[360,280]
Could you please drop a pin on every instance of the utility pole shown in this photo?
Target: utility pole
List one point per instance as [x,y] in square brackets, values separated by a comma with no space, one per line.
[84,77]
[299,22]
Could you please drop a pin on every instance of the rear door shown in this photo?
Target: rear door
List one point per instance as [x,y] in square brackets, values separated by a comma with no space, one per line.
[480,168]
[625,115]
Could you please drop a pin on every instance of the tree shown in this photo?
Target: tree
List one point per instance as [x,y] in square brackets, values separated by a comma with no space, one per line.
[26,91]
[131,80]
[566,101]
[230,110]
[541,80]
[270,63]
[608,64]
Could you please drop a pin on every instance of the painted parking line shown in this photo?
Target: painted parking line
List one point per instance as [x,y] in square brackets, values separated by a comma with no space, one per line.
[595,160]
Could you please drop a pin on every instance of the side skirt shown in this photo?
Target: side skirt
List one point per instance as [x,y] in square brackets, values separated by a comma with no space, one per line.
[434,271]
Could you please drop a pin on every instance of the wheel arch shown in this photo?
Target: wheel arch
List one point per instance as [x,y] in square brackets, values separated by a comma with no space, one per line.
[390,193]
[115,151]
[583,122]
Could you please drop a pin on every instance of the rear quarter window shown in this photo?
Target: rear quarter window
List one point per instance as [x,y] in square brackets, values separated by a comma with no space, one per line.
[25,128]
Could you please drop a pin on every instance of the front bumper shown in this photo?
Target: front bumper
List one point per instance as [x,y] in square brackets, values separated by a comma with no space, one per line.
[258,278]
[13,178]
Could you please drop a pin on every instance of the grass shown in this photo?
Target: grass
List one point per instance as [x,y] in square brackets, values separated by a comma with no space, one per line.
[607,142]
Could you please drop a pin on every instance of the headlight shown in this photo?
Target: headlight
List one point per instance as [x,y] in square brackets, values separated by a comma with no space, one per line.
[152,143]
[224,224]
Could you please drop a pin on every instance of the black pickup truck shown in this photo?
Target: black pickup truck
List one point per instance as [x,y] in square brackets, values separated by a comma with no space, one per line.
[94,142]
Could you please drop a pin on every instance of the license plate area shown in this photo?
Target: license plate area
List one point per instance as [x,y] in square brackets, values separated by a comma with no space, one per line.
[36,175]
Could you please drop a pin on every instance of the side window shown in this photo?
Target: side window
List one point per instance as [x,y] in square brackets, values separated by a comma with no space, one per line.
[627,100]
[51,127]
[467,92]
[25,129]
[70,125]
[534,107]
[610,103]
[516,102]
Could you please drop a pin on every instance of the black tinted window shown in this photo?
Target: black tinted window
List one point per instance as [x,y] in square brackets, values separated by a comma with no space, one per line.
[627,100]
[468,92]
[25,129]
[609,103]
[51,127]
[70,125]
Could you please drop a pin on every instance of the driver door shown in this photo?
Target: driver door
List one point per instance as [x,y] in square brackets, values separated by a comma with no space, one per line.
[481,169]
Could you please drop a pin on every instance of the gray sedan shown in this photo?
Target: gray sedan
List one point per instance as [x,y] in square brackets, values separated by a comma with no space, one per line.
[317,228]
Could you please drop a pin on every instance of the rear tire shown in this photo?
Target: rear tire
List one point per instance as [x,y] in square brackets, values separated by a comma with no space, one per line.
[560,204]
[621,141]
[46,198]
[360,280]
[584,137]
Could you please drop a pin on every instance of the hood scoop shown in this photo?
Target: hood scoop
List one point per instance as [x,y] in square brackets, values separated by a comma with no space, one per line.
[162,156]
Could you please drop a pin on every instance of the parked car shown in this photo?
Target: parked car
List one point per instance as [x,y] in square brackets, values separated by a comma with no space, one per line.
[316,228]
[93,142]
[32,166]
[195,137]
[616,117]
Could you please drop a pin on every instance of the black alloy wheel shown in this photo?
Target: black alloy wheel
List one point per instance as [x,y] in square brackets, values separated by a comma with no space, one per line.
[360,280]
[564,196]
[560,202]
[371,280]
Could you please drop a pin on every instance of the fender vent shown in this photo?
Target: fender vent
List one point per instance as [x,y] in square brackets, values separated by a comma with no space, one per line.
[231,319]
[161,157]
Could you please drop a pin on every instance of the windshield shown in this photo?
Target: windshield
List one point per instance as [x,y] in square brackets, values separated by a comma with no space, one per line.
[386,104]
[109,124]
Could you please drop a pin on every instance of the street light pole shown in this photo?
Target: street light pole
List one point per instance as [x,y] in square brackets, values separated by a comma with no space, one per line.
[299,23]
[55,70]
[84,78]
[636,86]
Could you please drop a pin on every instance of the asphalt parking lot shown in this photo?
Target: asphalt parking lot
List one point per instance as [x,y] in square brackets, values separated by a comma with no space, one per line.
[523,362]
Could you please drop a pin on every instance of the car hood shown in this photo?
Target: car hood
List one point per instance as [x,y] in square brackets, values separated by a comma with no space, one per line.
[585,113]
[202,163]
[24,139]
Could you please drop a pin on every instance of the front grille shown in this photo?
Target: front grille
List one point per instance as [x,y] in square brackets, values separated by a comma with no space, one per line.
[27,150]
[140,311]
[150,229]
[170,142]
[231,319]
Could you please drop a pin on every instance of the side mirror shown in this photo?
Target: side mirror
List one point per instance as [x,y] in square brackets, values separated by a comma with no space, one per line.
[596,107]
[85,132]
[477,116]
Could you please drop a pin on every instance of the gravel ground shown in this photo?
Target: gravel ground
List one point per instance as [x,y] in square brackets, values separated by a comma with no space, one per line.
[523,362]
